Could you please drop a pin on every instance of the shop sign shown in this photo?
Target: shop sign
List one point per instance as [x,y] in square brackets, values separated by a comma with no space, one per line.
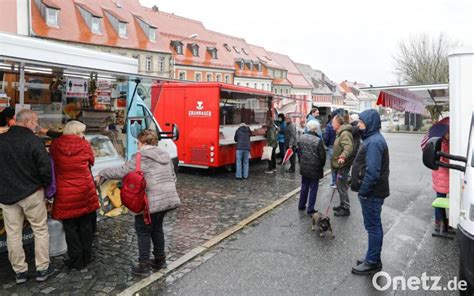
[76,88]
[199,112]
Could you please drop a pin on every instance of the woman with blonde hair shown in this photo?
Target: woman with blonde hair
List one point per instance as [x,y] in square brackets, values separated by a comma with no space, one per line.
[162,197]
[76,198]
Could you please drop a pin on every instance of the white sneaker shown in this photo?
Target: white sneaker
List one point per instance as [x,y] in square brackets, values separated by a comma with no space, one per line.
[333,186]
[269,172]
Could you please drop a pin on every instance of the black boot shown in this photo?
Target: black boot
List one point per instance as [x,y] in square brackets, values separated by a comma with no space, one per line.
[158,263]
[338,208]
[342,213]
[366,268]
[142,269]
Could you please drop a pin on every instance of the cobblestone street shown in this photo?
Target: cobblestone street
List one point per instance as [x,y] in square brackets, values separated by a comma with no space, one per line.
[211,204]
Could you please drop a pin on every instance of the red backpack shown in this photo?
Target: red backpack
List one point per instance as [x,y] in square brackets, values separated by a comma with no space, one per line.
[133,192]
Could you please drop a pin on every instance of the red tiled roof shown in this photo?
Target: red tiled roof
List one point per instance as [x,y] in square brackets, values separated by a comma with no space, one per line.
[72,27]
[115,15]
[92,11]
[264,56]
[281,81]
[294,75]
[245,53]
[8,21]
[51,4]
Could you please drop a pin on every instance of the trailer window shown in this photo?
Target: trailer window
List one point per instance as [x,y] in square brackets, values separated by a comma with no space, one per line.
[236,109]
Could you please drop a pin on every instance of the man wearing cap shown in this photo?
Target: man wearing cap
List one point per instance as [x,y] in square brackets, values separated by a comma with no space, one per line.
[370,173]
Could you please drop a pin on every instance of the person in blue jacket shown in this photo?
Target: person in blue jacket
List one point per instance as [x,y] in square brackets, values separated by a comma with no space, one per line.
[281,136]
[370,173]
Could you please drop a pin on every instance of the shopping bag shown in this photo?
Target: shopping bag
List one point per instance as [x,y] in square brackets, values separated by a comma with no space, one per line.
[267,153]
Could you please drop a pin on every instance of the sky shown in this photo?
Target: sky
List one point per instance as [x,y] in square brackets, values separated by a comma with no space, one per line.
[353,40]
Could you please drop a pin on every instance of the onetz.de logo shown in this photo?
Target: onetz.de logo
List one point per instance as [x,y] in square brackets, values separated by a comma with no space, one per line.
[382,281]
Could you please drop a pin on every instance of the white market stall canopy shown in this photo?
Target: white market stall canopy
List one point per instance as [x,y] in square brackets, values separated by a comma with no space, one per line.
[50,53]
[410,98]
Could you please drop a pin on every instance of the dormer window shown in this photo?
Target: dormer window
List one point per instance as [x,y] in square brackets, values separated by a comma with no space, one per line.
[245,51]
[227,47]
[259,67]
[213,52]
[236,50]
[249,64]
[52,17]
[152,34]
[148,28]
[241,64]
[194,49]
[95,25]
[122,29]
[91,17]
[49,11]
[178,46]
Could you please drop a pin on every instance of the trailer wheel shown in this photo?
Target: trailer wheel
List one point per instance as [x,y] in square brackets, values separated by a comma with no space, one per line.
[462,277]
[229,168]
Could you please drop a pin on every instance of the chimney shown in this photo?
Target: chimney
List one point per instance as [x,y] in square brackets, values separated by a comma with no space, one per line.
[155,8]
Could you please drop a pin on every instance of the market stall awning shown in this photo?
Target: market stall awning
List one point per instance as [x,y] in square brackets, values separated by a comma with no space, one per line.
[410,98]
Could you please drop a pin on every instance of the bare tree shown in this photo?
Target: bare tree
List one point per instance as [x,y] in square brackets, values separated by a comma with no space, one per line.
[423,59]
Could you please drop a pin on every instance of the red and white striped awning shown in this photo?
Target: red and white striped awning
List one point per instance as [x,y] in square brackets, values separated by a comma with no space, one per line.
[401,100]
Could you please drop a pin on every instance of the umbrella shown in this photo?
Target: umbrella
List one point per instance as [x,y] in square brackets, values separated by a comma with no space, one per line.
[289,152]
[438,130]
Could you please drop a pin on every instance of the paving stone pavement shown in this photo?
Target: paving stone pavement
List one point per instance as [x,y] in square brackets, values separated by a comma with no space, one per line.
[212,202]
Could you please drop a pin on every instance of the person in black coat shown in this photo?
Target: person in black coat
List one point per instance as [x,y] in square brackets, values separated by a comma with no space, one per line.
[242,156]
[312,156]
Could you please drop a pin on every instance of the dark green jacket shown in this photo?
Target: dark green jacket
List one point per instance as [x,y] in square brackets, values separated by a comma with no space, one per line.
[271,136]
[343,147]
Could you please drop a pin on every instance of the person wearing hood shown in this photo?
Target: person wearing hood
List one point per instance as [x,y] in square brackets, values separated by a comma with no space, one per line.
[341,162]
[76,197]
[162,197]
[370,179]
[242,153]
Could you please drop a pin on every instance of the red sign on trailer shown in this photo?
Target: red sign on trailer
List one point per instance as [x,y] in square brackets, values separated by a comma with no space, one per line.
[208,114]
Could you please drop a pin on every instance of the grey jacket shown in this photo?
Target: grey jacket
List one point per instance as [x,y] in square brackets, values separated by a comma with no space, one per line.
[312,156]
[290,135]
[160,178]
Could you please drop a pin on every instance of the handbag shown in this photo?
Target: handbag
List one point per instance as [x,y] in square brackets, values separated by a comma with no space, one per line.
[50,191]
[267,153]
[133,191]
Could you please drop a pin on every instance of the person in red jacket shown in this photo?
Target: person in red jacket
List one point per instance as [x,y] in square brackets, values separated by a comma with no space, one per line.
[76,198]
[440,179]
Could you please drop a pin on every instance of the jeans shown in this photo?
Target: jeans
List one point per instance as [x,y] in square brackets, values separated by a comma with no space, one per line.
[33,209]
[342,187]
[333,172]
[150,233]
[371,211]
[272,162]
[242,157]
[308,186]
[282,147]
[79,233]
[440,214]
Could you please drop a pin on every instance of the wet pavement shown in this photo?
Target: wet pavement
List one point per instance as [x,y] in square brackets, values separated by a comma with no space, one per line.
[212,202]
[280,255]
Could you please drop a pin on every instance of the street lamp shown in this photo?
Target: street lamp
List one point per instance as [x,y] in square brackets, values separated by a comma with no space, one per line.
[173,61]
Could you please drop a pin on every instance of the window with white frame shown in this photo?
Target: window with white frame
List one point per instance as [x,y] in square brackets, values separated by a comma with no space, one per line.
[148,64]
[227,79]
[198,77]
[152,34]
[161,64]
[218,77]
[238,83]
[195,50]
[95,25]
[247,84]
[209,77]
[122,29]
[255,85]
[287,91]
[182,75]
[52,17]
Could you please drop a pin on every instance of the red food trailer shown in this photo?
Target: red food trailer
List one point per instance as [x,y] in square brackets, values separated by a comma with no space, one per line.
[208,114]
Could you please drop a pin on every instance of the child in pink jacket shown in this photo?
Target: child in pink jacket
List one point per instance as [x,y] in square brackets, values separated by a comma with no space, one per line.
[441,184]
